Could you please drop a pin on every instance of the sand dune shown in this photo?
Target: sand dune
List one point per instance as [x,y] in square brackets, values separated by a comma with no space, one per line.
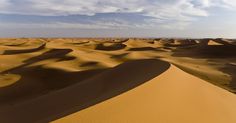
[10,52]
[214,43]
[110,46]
[84,93]
[117,80]
[164,99]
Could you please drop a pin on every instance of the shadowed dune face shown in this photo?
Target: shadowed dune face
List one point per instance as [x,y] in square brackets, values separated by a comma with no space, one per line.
[89,64]
[217,53]
[208,51]
[110,47]
[8,79]
[53,53]
[60,48]
[96,89]
[231,70]
[13,44]
[11,52]
[173,97]
[120,55]
[78,43]
[37,80]
[179,42]
[144,49]
[59,54]
[19,46]
[67,75]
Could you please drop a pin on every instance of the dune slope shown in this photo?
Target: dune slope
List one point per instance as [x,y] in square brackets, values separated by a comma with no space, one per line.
[164,99]
[86,93]
[106,80]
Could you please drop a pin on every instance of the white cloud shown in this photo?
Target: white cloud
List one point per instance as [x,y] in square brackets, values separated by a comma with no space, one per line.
[91,7]
[230,3]
[179,12]
[4,4]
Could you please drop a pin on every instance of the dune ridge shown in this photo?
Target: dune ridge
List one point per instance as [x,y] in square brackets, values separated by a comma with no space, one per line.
[164,99]
[134,79]
[87,92]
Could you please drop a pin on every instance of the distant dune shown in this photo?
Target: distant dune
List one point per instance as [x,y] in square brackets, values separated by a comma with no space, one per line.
[115,80]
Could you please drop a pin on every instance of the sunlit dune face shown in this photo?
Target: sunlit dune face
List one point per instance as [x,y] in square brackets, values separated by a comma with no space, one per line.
[8,79]
[48,76]
[214,43]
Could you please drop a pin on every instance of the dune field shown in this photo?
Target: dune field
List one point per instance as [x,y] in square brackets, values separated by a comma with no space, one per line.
[117,80]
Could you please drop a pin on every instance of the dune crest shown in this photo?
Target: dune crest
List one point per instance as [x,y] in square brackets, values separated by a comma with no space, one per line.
[85,93]
[120,80]
[164,99]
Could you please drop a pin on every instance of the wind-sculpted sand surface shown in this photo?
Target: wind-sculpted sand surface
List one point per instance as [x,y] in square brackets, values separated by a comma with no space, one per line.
[117,80]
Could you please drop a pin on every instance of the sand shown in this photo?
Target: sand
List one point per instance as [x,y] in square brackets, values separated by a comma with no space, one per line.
[214,43]
[117,80]
[164,99]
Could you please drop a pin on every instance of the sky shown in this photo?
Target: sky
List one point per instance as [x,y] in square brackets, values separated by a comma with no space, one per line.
[118,18]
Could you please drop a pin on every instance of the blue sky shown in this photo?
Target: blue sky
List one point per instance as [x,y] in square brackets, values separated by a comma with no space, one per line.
[118,18]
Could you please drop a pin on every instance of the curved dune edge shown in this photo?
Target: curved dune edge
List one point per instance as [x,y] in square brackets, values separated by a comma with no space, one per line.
[8,79]
[12,52]
[98,88]
[67,75]
[172,97]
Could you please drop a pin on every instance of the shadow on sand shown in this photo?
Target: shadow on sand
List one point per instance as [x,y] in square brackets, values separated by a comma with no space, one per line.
[144,49]
[37,80]
[113,47]
[230,70]
[214,53]
[13,52]
[82,94]
[207,51]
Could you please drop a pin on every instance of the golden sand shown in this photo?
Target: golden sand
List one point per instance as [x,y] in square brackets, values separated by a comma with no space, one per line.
[110,80]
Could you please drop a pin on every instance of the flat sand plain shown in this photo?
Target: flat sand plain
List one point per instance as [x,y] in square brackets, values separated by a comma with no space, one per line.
[117,80]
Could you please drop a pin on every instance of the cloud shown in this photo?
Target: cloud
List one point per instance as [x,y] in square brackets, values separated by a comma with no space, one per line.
[156,8]
[4,4]
[153,12]
[229,4]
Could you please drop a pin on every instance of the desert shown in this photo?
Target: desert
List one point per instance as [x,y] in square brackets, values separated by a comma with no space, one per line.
[117,80]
